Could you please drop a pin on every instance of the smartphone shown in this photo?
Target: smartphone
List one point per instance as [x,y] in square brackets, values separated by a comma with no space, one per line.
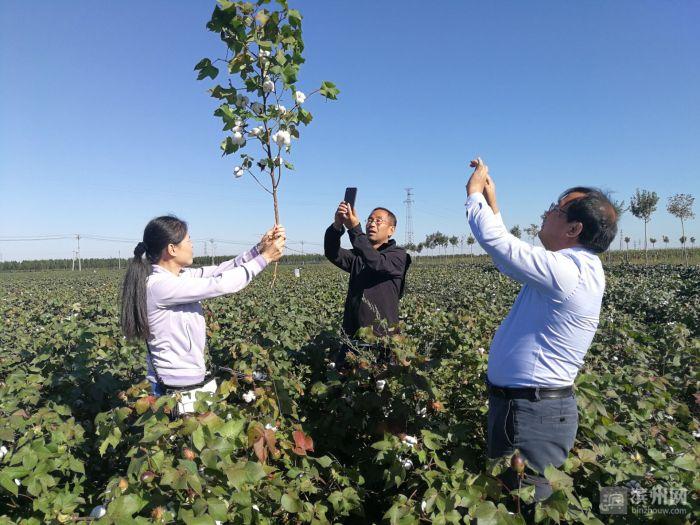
[350,194]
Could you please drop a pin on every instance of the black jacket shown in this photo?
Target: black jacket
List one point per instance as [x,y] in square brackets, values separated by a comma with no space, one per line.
[378,275]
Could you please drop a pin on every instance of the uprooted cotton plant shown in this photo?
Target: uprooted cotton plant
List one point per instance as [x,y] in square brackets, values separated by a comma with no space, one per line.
[264,48]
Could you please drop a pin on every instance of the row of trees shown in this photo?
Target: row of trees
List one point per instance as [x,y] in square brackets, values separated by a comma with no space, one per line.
[643,204]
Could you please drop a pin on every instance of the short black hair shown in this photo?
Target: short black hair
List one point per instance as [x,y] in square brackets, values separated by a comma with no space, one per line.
[392,217]
[596,212]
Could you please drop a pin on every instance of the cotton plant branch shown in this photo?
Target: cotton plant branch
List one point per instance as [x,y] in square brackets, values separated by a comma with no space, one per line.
[264,47]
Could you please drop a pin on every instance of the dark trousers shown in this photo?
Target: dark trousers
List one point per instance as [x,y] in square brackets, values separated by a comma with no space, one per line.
[543,431]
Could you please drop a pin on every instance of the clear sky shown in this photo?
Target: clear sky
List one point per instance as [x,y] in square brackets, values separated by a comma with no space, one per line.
[103,124]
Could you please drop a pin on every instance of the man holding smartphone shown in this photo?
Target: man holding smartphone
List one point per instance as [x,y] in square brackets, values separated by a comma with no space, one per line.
[377,268]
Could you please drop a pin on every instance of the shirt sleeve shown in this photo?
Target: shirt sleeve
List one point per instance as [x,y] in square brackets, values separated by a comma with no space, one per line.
[341,257]
[392,263]
[552,273]
[214,271]
[187,288]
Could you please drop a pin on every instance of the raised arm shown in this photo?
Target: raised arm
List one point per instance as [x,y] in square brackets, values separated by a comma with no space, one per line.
[393,263]
[341,257]
[170,290]
[213,271]
[553,273]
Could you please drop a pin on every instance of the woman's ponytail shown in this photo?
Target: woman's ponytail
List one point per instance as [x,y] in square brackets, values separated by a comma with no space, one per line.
[134,316]
[159,232]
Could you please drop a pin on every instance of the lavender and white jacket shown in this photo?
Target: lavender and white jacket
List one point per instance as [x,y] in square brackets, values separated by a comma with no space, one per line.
[175,317]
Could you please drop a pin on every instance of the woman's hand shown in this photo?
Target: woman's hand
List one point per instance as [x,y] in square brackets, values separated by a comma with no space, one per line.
[271,246]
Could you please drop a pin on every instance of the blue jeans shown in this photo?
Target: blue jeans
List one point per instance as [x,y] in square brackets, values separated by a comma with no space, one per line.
[543,431]
[157,389]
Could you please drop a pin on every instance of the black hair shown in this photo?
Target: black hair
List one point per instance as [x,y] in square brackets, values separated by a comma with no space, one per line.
[158,234]
[596,212]
[392,217]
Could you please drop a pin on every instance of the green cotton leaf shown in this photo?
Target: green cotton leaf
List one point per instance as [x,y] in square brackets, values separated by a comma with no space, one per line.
[291,503]
[218,509]
[686,462]
[586,455]
[324,461]
[289,74]
[558,479]
[206,69]
[294,17]
[8,483]
[198,438]
[305,117]
[329,90]
[232,429]
[244,472]
[262,17]
[485,513]
[431,440]
[228,146]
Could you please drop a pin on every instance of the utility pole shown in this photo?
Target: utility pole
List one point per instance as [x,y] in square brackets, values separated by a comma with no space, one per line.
[119,259]
[212,251]
[409,216]
[302,253]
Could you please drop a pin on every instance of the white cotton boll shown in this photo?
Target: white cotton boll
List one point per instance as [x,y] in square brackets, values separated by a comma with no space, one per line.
[380,384]
[411,440]
[331,365]
[259,376]
[238,138]
[249,396]
[3,451]
[18,482]
[268,426]
[255,132]
[299,97]
[238,172]
[407,464]
[421,411]
[268,86]
[423,505]
[263,53]
[242,101]
[282,138]
[281,109]
[98,512]
[482,350]
[257,108]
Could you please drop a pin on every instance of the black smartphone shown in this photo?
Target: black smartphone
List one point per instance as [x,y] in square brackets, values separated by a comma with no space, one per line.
[350,194]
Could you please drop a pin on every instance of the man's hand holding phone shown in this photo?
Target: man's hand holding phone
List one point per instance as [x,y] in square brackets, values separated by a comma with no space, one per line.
[345,216]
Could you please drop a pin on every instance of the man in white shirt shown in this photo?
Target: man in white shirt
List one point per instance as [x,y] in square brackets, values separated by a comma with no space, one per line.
[540,346]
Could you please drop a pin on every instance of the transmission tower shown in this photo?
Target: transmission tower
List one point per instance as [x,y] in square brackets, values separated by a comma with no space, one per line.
[409,216]
[76,254]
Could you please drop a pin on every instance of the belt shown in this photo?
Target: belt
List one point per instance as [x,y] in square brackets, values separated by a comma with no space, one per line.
[533,394]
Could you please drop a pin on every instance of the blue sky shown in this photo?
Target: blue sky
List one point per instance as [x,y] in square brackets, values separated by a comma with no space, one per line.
[103,124]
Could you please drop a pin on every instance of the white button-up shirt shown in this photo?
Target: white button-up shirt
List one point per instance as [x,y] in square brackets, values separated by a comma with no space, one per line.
[544,338]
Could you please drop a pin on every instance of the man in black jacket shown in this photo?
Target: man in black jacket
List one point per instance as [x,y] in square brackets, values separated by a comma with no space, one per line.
[377,268]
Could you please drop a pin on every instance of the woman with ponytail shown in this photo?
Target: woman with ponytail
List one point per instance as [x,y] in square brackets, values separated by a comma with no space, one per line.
[161,297]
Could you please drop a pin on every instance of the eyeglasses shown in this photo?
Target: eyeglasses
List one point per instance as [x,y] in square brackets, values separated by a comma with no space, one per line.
[378,222]
[555,207]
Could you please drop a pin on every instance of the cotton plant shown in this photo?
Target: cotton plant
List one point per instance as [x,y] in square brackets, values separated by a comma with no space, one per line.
[262,106]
